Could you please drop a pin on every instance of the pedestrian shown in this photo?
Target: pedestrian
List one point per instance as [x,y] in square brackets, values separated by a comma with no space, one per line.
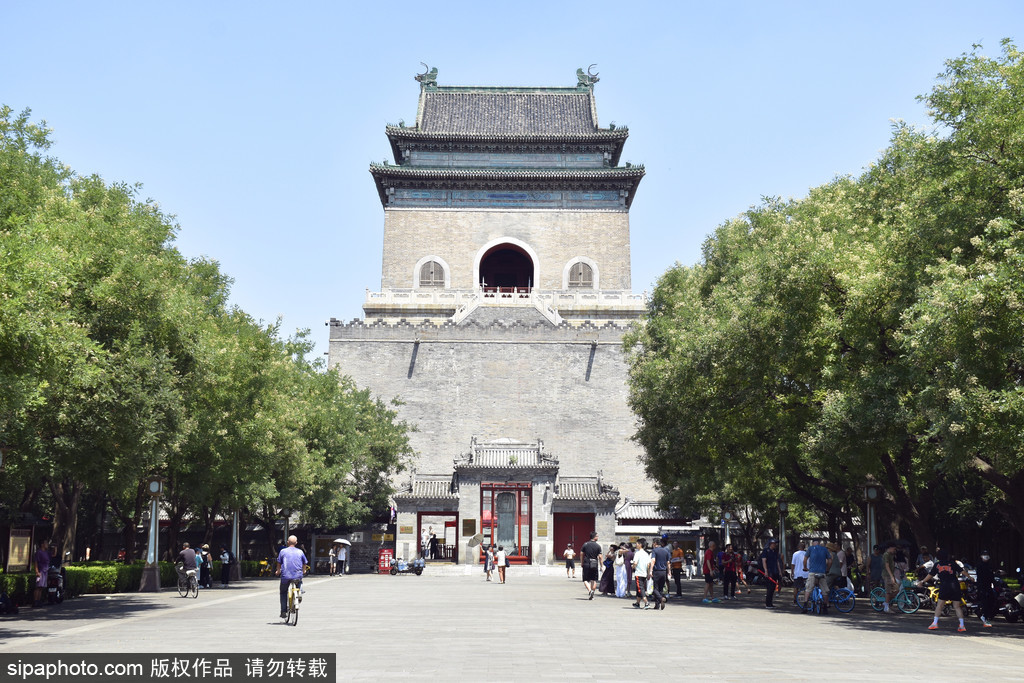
[205,565]
[290,565]
[425,541]
[948,574]
[817,563]
[501,559]
[332,559]
[488,561]
[923,556]
[433,546]
[641,565]
[771,565]
[741,572]
[844,566]
[591,552]
[986,589]
[875,568]
[691,565]
[627,562]
[708,568]
[227,558]
[341,560]
[678,557]
[835,569]
[796,569]
[607,585]
[570,561]
[889,575]
[660,558]
[727,562]
[620,572]
[42,561]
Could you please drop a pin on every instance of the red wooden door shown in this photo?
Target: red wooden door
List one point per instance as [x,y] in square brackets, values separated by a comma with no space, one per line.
[572,527]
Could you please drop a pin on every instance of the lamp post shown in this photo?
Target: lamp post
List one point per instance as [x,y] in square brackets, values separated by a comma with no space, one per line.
[872,494]
[727,521]
[236,568]
[783,509]
[151,572]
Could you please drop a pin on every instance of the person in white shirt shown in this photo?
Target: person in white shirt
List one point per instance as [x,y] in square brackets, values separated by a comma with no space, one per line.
[342,556]
[500,561]
[641,567]
[332,557]
[797,569]
[570,561]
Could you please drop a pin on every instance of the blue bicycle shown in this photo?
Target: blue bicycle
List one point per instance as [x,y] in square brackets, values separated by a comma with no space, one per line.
[843,599]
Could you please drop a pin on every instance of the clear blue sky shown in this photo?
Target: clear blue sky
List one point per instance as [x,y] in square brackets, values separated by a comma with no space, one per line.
[254,123]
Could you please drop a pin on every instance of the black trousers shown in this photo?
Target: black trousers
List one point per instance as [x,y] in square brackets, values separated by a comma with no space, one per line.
[677,576]
[660,577]
[284,593]
[769,594]
[728,583]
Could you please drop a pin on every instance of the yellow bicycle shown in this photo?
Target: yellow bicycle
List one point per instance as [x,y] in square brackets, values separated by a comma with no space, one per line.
[294,600]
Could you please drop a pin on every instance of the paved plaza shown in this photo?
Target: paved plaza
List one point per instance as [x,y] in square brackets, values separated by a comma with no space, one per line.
[537,626]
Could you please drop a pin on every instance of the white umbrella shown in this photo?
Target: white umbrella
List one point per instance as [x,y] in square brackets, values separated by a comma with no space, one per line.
[475,540]
[342,541]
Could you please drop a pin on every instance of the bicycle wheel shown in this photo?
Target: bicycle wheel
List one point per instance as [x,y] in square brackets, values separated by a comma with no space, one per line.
[844,600]
[877,599]
[182,587]
[193,587]
[908,602]
[293,606]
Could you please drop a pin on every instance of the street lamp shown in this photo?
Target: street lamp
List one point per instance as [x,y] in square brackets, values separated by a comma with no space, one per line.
[783,509]
[151,572]
[872,494]
[727,519]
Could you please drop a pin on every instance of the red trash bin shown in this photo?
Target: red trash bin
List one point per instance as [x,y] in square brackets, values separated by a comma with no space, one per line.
[384,558]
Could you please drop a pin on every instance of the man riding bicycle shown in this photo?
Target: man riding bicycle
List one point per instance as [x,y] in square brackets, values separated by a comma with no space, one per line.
[290,562]
[187,558]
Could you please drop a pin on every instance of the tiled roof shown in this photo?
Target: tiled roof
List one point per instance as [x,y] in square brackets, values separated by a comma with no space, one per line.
[501,173]
[506,454]
[430,488]
[584,488]
[512,111]
[604,134]
[643,510]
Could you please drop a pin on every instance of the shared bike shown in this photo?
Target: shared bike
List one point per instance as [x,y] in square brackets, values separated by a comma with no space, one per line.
[294,600]
[906,601]
[843,599]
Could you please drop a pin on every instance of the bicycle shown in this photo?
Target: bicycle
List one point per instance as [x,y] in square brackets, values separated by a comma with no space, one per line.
[843,599]
[187,582]
[266,568]
[931,599]
[906,601]
[294,600]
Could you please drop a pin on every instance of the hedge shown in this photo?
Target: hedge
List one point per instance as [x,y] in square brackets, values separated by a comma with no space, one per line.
[106,577]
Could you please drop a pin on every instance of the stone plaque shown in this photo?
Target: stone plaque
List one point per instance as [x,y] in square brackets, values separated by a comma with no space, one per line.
[469,527]
[542,529]
[405,530]
[383,537]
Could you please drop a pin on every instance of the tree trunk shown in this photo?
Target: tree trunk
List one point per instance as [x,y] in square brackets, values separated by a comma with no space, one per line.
[1012,488]
[906,506]
[130,517]
[67,494]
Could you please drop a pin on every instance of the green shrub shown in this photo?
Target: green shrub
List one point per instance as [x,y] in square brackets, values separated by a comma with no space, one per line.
[76,581]
[19,587]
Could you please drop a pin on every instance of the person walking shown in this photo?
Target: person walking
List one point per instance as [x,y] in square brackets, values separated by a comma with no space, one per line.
[986,589]
[591,552]
[205,565]
[607,585]
[570,561]
[488,561]
[660,558]
[690,565]
[620,572]
[227,558]
[796,568]
[290,564]
[341,560]
[948,574]
[641,567]
[42,562]
[332,559]
[727,563]
[771,565]
[708,568]
[627,563]
[501,559]
[889,575]
[678,557]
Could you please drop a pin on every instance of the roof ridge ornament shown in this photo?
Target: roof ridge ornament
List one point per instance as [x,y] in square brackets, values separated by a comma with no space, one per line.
[583,80]
[428,79]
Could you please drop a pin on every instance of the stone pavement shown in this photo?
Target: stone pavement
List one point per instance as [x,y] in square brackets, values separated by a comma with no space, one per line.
[537,626]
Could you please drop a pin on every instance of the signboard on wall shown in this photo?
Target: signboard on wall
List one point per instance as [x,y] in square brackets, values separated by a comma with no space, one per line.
[542,529]
[469,527]
[406,530]
[19,550]
[383,537]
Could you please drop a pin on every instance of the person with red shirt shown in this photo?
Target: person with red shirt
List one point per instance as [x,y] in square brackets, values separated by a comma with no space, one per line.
[708,568]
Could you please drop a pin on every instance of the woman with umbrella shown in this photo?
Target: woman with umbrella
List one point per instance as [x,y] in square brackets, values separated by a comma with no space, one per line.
[340,555]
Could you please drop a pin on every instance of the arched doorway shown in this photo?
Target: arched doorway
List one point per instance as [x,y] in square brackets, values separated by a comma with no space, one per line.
[506,266]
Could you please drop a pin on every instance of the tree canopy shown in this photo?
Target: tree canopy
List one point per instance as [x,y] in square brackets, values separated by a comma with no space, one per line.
[122,359]
[869,332]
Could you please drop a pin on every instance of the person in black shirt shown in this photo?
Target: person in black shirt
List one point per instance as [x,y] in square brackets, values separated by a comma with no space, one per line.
[986,589]
[772,567]
[947,572]
[591,552]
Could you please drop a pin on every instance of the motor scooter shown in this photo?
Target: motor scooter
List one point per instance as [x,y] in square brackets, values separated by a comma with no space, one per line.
[55,585]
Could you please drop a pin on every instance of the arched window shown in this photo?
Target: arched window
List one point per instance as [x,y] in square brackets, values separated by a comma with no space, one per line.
[581,275]
[431,274]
